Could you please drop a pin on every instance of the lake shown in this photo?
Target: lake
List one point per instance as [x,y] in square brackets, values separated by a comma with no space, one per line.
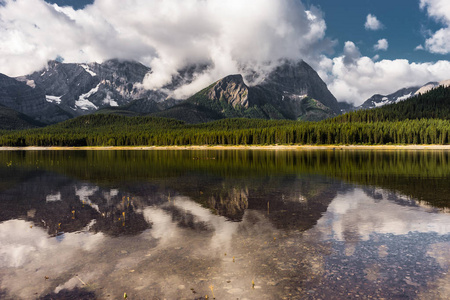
[225,224]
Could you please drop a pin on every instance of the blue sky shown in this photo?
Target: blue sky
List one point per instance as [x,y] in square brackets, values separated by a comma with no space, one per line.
[358,47]
[77,4]
[405,26]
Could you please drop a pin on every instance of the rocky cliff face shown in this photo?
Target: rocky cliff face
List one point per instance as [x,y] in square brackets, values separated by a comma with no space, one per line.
[29,100]
[231,89]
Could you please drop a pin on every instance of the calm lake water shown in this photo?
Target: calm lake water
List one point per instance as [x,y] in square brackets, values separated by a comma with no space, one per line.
[229,224]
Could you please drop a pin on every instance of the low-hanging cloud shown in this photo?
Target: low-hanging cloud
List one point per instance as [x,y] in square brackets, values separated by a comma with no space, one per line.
[229,36]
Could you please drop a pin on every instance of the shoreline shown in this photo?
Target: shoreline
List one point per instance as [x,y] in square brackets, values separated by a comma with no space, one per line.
[240,147]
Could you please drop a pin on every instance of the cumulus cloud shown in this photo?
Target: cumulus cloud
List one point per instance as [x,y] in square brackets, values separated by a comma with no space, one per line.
[439,10]
[381,45]
[229,36]
[372,23]
[354,78]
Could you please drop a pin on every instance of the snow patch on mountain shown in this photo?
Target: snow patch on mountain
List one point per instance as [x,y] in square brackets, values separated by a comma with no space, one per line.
[382,103]
[402,98]
[83,101]
[53,99]
[87,69]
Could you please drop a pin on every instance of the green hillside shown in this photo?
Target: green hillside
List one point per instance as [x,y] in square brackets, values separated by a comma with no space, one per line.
[11,119]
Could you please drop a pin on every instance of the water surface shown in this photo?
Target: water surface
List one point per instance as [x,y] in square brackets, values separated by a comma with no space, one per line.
[231,224]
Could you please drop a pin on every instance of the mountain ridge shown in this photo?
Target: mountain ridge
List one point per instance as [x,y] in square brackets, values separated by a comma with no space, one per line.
[402,94]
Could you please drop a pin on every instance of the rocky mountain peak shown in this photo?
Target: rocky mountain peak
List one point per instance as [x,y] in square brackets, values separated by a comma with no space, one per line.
[299,80]
[231,89]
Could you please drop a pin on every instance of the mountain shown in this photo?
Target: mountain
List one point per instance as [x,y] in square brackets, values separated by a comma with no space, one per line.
[85,88]
[29,100]
[400,95]
[380,100]
[434,104]
[61,91]
[291,91]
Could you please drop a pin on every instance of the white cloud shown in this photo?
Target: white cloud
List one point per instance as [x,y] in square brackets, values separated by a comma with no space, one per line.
[372,23]
[439,10]
[381,45]
[355,78]
[351,53]
[419,47]
[440,42]
[165,35]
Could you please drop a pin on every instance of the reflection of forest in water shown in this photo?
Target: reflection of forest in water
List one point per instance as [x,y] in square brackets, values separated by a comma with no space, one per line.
[171,223]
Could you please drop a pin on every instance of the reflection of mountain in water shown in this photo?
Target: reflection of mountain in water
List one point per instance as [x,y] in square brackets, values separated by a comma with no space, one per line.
[61,204]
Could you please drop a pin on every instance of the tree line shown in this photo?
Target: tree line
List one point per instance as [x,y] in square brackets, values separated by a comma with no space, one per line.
[123,131]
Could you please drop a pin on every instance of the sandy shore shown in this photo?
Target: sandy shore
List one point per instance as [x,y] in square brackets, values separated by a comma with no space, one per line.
[273,147]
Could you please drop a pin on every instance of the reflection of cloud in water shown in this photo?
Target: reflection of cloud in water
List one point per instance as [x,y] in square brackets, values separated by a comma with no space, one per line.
[355,215]
[223,230]
[28,255]
[163,228]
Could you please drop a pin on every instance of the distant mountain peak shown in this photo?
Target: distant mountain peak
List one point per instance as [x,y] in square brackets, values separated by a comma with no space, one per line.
[378,100]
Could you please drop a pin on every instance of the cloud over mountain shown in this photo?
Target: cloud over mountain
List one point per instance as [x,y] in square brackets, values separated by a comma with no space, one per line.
[229,36]
[353,77]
